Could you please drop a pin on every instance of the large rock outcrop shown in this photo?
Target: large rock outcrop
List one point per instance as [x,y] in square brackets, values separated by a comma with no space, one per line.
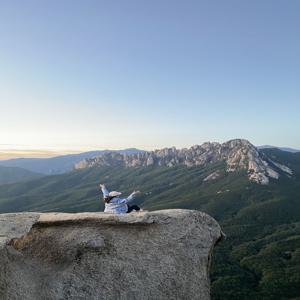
[149,255]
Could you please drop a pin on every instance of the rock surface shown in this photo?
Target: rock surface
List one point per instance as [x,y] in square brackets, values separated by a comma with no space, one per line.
[238,154]
[149,255]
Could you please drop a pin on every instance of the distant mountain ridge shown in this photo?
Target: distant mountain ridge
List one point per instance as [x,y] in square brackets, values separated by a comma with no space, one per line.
[66,163]
[58,164]
[238,154]
[287,149]
[15,174]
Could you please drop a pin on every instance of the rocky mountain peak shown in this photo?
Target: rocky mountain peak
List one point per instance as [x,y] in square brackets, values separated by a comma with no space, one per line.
[238,154]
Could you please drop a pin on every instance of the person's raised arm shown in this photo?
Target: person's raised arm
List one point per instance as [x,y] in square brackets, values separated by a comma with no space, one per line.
[104,190]
[132,196]
[128,199]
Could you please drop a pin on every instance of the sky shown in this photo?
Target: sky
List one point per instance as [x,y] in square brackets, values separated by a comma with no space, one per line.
[80,75]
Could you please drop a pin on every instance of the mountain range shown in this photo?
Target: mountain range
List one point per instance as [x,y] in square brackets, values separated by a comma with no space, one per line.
[260,258]
[288,149]
[59,164]
[15,174]
[237,154]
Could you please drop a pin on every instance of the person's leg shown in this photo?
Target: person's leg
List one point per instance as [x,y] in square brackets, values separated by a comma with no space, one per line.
[132,207]
[135,207]
[129,208]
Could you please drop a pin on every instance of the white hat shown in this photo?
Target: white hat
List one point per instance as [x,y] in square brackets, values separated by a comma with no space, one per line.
[114,194]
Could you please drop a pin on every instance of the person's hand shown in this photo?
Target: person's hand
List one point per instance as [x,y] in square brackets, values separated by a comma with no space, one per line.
[136,192]
[101,185]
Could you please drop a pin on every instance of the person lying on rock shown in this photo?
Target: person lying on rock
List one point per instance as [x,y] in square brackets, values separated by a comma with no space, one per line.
[116,205]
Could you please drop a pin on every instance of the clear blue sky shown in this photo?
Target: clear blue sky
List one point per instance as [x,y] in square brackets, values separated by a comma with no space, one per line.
[148,74]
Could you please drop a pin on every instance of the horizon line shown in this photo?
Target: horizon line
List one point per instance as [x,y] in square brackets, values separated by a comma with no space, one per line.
[13,153]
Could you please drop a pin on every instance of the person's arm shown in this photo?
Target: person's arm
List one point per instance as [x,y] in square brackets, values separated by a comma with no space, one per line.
[104,190]
[126,200]
[131,196]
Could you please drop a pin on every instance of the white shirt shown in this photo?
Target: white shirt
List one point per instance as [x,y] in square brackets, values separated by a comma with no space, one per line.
[116,205]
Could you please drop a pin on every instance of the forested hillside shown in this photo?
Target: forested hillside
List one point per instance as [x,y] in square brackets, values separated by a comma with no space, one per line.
[15,174]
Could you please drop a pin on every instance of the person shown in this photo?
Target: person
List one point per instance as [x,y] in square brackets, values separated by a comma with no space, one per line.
[116,205]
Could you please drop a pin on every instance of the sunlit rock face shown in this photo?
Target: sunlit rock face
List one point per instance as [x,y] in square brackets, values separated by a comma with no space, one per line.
[149,255]
[238,154]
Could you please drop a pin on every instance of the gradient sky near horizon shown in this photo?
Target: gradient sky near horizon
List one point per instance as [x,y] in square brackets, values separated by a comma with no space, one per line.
[95,74]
